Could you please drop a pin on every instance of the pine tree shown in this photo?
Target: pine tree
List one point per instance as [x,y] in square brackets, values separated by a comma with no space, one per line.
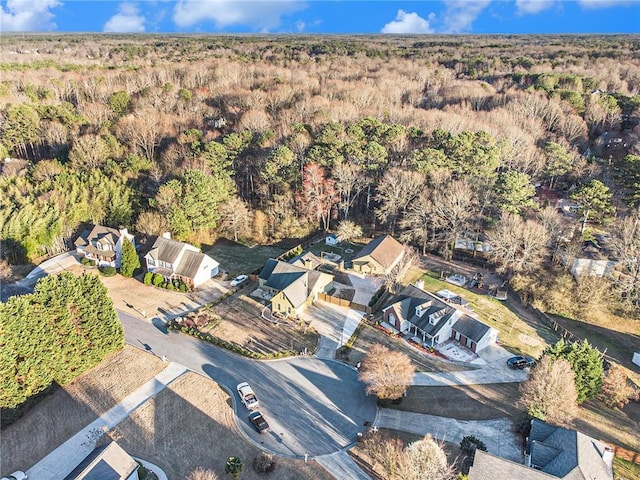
[130,260]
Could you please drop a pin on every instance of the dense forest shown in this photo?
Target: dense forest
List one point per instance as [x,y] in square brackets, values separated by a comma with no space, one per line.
[255,138]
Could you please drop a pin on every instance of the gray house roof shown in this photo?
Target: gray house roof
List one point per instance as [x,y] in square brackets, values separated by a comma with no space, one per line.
[489,467]
[471,328]
[171,251]
[190,263]
[166,250]
[99,233]
[295,282]
[566,453]
[109,462]
[385,250]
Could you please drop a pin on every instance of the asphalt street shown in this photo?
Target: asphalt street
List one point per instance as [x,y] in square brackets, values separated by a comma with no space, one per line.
[313,406]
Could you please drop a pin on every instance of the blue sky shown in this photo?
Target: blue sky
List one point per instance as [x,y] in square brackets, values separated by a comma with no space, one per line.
[327,16]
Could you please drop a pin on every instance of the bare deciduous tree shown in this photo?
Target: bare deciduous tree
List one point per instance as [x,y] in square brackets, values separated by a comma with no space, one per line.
[89,152]
[625,243]
[152,223]
[425,459]
[350,181]
[550,392]
[517,245]
[417,223]
[453,208]
[202,474]
[386,451]
[386,373]
[396,190]
[393,278]
[235,218]
[617,390]
[348,230]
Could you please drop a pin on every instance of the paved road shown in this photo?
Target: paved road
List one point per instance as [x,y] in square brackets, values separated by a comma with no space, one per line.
[314,406]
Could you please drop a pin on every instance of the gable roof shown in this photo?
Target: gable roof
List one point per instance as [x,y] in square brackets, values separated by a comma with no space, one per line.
[304,258]
[167,250]
[109,462]
[190,263]
[99,233]
[471,328]
[385,250]
[295,282]
[489,467]
[566,453]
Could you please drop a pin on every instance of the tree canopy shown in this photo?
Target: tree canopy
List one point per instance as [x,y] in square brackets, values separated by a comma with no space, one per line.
[65,327]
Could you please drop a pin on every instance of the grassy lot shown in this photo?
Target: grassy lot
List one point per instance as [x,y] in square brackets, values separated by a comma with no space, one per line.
[369,336]
[72,407]
[465,402]
[237,258]
[319,247]
[191,424]
[624,470]
[515,334]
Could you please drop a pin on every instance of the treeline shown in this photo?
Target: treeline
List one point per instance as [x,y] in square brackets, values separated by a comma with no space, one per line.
[261,139]
[51,336]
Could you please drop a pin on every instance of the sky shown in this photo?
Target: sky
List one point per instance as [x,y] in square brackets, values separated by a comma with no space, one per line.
[322,16]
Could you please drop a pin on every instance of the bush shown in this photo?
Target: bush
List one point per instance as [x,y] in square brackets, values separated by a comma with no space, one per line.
[147,278]
[264,463]
[182,287]
[157,279]
[170,286]
[107,271]
[87,262]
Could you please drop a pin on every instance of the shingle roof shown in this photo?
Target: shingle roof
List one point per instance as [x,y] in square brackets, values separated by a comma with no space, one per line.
[471,328]
[98,233]
[190,263]
[566,453]
[489,467]
[109,462]
[166,250]
[304,258]
[385,250]
[295,282]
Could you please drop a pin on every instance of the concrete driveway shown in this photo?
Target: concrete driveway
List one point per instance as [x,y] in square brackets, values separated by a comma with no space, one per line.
[314,406]
[365,286]
[335,325]
[497,434]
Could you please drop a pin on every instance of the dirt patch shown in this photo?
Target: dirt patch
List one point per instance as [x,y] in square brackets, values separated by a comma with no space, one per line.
[191,424]
[241,322]
[370,336]
[464,402]
[72,407]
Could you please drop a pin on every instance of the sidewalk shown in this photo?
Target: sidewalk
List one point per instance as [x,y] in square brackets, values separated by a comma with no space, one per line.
[59,463]
[342,466]
[497,434]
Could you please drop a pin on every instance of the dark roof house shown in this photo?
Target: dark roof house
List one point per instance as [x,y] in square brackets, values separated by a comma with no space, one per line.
[108,462]
[103,244]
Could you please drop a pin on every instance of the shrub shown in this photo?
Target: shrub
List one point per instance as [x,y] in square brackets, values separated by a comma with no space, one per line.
[170,286]
[157,279]
[264,463]
[87,262]
[182,287]
[107,271]
[147,278]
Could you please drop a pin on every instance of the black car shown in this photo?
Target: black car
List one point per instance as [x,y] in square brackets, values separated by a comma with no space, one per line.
[259,422]
[520,361]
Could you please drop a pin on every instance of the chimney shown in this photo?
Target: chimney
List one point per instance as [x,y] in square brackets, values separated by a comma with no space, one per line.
[124,232]
[607,455]
[167,235]
[420,284]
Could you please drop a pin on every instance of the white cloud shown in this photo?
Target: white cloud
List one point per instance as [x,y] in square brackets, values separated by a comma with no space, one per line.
[300,25]
[529,7]
[128,20]
[260,15]
[27,15]
[408,23]
[605,3]
[461,14]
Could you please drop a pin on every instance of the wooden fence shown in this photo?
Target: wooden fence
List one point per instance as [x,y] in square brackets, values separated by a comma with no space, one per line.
[343,303]
[623,453]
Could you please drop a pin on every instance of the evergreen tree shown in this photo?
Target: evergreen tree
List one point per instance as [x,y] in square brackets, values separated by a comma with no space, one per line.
[130,260]
[586,363]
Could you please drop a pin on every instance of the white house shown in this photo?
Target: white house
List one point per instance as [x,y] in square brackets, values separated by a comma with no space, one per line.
[178,260]
[103,245]
[331,239]
[432,321]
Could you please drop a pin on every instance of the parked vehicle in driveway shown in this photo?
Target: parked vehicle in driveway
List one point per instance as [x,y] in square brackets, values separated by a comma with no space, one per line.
[520,361]
[247,396]
[239,280]
[16,476]
[259,422]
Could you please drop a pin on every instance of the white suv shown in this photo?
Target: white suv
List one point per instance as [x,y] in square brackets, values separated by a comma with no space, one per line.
[247,396]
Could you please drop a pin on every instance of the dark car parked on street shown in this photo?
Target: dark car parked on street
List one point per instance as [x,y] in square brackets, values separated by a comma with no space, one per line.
[259,422]
[520,361]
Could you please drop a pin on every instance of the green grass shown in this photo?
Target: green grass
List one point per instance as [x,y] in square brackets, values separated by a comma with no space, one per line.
[514,333]
[625,470]
[237,258]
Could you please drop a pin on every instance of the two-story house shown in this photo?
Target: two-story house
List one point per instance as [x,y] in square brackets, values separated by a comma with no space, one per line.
[178,260]
[103,245]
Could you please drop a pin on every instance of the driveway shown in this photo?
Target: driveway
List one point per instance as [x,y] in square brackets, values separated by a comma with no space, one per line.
[496,434]
[314,406]
[365,286]
[335,325]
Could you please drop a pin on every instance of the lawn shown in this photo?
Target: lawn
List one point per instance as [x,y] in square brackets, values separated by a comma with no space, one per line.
[237,258]
[191,424]
[341,249]
[514,333]
[624,470]
[72,407]
[423,362]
